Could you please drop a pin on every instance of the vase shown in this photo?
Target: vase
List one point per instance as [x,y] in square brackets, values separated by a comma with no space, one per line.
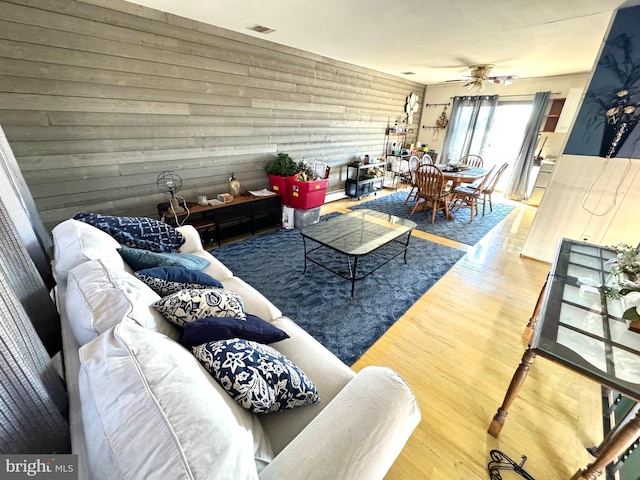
[234,186]
[613,138]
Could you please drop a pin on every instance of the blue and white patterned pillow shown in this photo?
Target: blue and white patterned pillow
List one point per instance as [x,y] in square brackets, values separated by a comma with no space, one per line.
[258,377]
[192,304]
[136,232]
[168,280]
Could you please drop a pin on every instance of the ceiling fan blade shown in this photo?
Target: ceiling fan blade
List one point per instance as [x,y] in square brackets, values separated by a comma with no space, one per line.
[463,78]
[503,79]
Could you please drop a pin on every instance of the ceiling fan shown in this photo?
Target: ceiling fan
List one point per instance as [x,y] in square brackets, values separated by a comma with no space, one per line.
[479,75]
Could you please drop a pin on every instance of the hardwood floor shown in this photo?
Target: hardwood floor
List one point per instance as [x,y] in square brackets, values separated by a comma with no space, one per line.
[458,347]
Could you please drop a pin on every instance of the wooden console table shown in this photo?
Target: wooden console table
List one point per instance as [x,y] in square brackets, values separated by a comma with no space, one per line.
[581,329]
[217,222]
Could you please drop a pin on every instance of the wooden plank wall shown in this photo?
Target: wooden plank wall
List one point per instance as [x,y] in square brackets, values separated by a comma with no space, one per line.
[97,97]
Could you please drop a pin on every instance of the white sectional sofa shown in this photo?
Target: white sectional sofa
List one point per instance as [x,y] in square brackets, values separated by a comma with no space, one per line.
[142,406]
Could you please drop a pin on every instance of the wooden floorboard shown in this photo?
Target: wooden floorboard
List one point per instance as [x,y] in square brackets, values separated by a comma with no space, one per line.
[458,347]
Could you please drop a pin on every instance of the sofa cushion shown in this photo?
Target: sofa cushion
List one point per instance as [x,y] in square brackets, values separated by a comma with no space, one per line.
[258,377]
[98,298]
[192,304]
[151,411]
[139,259]
[168,280]
[211,329]
[137,232]
[76,242]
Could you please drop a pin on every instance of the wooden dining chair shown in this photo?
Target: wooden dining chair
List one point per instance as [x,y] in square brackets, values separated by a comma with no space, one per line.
[414,164]
[426,159]
[491,186]
[430,183]
[472,161]
[466,196]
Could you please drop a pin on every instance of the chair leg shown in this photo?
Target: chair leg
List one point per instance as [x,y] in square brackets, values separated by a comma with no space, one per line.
[415,206]
[434,208]
[409,196]
[472,207]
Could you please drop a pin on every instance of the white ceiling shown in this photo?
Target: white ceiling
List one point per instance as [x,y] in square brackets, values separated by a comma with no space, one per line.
[437,40]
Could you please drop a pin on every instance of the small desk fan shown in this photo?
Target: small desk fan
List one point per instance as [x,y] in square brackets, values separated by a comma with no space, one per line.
[170,182]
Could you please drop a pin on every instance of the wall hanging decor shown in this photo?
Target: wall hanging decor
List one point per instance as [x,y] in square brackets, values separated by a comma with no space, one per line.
[606,123]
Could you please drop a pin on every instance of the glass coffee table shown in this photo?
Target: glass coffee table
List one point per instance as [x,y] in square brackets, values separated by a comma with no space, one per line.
[577,326]
[356,234]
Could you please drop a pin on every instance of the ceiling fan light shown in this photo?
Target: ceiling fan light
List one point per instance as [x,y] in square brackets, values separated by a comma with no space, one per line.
[480,71]
[476,85]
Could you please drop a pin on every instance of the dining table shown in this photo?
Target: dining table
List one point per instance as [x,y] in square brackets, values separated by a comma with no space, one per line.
[463,174]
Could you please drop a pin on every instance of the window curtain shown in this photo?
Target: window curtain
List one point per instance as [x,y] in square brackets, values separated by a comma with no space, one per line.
[517,189]
[27,282]
[33,399]
[22,210]
[469,125]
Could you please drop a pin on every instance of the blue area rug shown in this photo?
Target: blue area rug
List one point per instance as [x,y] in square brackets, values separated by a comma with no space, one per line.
[320,302]
[459,229]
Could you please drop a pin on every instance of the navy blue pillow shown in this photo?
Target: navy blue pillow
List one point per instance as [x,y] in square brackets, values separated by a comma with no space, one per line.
[211,329]
[139,259]
[137,232]
[169,280]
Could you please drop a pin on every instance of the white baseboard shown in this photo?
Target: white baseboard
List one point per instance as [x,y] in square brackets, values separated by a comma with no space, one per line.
[333,196]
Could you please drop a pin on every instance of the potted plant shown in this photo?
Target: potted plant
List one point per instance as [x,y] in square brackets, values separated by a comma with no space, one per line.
[279,170]
[281,166]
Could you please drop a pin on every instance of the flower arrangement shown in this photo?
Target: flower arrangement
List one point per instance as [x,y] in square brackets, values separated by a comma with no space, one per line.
[621,118]
[625,272]
[305,173]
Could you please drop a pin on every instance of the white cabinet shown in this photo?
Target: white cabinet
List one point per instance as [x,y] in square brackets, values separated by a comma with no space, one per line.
[542,180]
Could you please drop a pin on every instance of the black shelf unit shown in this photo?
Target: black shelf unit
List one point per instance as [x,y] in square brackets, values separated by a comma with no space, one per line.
[394,141]
[360,183]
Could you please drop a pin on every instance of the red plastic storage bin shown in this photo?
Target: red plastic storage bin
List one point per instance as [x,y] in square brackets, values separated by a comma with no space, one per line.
[306,195]
[280,185]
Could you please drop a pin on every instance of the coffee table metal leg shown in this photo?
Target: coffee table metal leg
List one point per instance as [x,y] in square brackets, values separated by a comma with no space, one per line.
[406,247]
[354,275]
[304,244]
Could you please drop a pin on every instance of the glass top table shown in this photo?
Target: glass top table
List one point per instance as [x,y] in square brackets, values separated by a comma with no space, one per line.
[581,328]
[356,234]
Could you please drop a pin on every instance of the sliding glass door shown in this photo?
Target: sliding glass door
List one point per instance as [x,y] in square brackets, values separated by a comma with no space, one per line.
[506,136]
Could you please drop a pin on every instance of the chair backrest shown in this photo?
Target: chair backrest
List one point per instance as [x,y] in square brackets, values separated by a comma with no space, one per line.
[481,187]
[491,184]
[414,163]
[430,181]
[426,160]
[472,160]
